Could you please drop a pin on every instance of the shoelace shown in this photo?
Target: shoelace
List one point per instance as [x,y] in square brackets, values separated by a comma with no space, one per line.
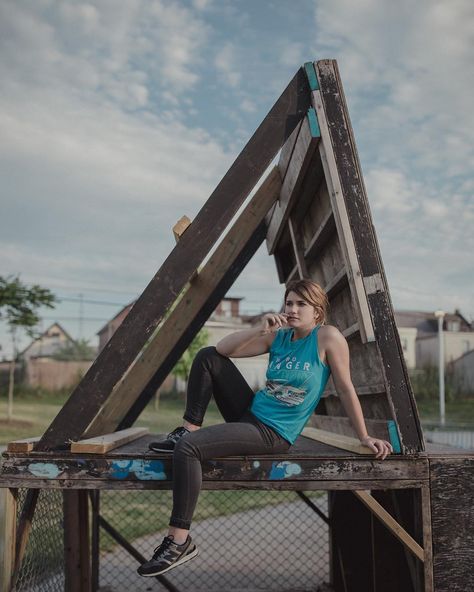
[162,549]
[176,434]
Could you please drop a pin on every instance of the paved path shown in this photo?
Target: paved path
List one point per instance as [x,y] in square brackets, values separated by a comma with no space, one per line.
[269,548]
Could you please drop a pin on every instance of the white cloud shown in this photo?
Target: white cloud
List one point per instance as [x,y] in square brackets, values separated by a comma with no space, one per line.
[92,170]
[225,62]
[407,72]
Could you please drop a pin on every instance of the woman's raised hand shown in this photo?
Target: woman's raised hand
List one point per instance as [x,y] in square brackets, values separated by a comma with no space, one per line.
[273,321]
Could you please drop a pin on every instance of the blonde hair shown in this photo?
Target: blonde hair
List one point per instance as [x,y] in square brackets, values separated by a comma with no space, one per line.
[313,294]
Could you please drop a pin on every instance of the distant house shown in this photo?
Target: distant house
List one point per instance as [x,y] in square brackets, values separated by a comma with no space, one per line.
[419,337]
[463,371]
[48,343]
[42,370]
[224,320]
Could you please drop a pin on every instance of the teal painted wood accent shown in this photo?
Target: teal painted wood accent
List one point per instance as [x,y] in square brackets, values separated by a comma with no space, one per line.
[313,123]
[311,74]
[394,439]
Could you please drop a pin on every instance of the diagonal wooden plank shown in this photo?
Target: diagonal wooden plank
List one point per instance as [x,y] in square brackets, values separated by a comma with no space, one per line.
[337,440]
[402,535]
[176,271]
[342,223]
[219,292]
[168,340]
[301,158]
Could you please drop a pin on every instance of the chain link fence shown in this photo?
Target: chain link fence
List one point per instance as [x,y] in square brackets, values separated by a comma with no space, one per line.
[42,568]
[247,540]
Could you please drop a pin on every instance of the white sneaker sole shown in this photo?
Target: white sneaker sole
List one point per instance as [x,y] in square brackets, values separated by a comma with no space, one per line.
[179,562]
[161,450]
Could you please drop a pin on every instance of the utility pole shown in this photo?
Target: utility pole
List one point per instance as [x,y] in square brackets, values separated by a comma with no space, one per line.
[439,314]
[81,315]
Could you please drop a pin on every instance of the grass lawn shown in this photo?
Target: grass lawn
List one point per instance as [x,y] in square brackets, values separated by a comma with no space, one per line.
[32,415]
[459,413]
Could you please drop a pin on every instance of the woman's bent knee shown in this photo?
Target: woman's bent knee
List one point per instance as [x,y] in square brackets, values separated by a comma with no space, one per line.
[206,353]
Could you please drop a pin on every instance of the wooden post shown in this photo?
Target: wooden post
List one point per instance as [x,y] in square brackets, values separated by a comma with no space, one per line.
[427,537]
[351,544]
[8,504]
[76,541]
[95,539]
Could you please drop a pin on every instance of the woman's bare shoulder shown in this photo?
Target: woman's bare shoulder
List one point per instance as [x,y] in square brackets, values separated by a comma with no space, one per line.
[328,334]
[329,330]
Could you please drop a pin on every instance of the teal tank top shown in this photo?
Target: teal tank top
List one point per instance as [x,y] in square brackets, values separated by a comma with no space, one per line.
[296,379]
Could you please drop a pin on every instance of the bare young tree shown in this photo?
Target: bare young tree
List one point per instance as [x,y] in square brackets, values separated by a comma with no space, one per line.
[18,308]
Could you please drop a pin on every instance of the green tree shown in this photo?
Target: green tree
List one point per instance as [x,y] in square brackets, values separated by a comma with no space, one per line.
[183,367]
[18,308]
[78,351]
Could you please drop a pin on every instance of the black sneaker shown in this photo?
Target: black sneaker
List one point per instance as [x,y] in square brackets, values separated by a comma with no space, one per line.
[168,444]
[167,556]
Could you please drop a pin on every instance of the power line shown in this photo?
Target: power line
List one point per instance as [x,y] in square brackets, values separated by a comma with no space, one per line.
[87,301]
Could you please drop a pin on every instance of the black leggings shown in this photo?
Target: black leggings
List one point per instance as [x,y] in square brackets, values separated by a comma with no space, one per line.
[243,433]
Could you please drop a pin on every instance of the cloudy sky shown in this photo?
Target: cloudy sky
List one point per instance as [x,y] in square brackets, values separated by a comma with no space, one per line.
[116,118]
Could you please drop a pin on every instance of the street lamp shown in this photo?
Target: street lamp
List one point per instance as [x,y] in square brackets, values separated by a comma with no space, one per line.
[440,314]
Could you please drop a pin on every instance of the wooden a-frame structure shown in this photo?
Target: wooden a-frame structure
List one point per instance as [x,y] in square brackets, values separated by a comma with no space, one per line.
[312,210]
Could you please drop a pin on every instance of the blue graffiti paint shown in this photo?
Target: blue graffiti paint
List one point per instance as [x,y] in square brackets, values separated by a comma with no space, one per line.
[44,470]
[149,470]
[144,470]
[284,469]
[120,469]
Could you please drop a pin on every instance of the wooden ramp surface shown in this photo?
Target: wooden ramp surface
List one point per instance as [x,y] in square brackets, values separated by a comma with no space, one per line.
[308,464]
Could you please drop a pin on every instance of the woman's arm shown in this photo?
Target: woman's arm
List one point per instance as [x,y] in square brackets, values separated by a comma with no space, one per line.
[337,356]
[252,342]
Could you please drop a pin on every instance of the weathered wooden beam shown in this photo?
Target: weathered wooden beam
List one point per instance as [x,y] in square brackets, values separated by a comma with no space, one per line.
[342,222]
[427,537]
[452,521]
[194,245]
[192,307]
[334,119]
[77,565]
[107,442]
[94,497]
[8,506]
[301,158]
[336,440]
[390,522]
[105,472]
